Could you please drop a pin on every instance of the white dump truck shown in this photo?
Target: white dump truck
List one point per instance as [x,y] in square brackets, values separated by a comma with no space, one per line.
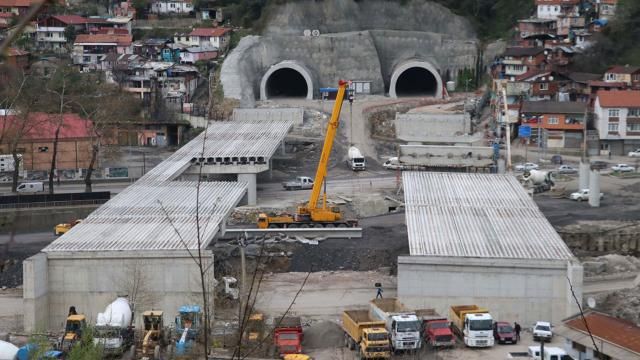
[114,328]
[356,161]
[473,324]
[402,324]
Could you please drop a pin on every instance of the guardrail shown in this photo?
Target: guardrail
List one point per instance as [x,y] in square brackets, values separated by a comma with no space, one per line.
[46,204]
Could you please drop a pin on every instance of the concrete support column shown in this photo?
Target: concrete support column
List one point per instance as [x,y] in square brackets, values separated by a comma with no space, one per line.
[583,176]
[576,276]
[35,293]
[594,189]
[252,190]
[283,149]
[501,166]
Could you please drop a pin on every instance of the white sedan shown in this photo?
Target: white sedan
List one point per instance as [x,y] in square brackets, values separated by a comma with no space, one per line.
[635,153]
[527,166]
[582,195]
[623,168]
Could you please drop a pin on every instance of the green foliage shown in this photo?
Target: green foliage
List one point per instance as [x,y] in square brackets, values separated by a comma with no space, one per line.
[617,44]
[40,345]
[85,349]
[70,34]
[466,80]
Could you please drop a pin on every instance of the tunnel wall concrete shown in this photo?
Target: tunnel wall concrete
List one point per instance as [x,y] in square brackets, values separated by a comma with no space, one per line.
[416,63]
[365,55]
[293,65]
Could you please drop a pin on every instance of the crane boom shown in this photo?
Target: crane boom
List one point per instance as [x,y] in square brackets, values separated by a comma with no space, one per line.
[332,128]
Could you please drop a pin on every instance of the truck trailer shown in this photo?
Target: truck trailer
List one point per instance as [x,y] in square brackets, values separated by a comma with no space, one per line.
[473,324]
[402,324]
[368,337]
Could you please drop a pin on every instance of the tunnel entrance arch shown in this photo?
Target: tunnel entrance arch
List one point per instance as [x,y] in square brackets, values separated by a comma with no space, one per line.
[286,79]
[415,78]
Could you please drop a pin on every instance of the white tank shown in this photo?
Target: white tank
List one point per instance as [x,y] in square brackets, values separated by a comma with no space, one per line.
[117,314]
[8,351]
[451,86]
[536,177]
[354,153]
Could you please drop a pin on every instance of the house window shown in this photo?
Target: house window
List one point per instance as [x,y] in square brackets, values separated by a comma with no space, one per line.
[613,127]
[557,8]
[48,34]
[633,127]
[553,120]
[614,113]
[544,86]
[635,112]
[86,59]
[579,347]
[610,77]
[172,5]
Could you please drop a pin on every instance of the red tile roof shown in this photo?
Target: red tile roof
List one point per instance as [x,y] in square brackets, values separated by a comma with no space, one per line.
[211,32]
[16,52]
[122,40]
[617,331]
[16,3]
[73,126]
[70,19]
[619,98]
[619,69]
[607,84]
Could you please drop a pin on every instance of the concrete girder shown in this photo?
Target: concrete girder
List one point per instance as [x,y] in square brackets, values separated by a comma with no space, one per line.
[402,67]
[287,64]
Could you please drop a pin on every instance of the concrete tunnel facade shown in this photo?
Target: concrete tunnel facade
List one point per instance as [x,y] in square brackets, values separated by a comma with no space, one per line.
[415,78]
[287,79]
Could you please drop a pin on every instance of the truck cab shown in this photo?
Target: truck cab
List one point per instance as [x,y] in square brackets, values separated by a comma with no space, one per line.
[437,333]
[405,332]
[478,330]
[288,336]
[375,343]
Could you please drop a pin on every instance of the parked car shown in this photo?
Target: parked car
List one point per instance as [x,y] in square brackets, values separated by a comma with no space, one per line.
[599,165]
[504,333]
[527,166]
[634,153]
[556,159]
[567,169]
[582,195]
[392,164]
[623,168]
[542,331]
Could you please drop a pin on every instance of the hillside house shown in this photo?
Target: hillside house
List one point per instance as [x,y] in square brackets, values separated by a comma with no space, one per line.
[607,9]
[50,31]
[36,146]
[89,49]
[184,7]
[191,55]
[566,24]
[578,86]
[616,338]
[15,7]
[629,75]
[563,122]
[552,9]
[617,117]
[206,37]
[17,58]
[519,60]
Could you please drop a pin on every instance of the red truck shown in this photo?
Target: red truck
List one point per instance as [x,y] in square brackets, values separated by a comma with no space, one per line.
[288,336]
[436,329]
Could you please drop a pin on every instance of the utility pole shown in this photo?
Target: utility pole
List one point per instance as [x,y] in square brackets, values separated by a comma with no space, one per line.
[508,126]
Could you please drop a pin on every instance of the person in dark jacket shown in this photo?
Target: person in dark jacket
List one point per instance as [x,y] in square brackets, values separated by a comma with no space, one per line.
[516,327]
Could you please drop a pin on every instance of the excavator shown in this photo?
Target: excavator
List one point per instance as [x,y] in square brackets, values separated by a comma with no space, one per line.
[313,214]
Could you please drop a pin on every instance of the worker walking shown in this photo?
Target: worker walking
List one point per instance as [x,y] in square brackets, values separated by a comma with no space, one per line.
[379,292]
[516,327]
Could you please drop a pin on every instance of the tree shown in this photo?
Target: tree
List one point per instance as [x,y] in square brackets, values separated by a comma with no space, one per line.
[70,34]
[85,349]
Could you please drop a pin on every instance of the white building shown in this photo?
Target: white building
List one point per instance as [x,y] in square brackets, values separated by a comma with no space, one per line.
[552,9]
[50,30]
[206,38]
[480,239]
[171,7]
[607,9]
[617,119]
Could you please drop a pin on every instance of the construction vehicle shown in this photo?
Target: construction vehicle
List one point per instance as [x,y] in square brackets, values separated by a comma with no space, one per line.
[297,357]
[538,180]
[72,330]
[187,330]
[154,336]
[288,336]
[435,329]
[254,331]
[473,324]
[369,338]
[316,213]
[63,228]
[356,161]
[114,329]
[402,324]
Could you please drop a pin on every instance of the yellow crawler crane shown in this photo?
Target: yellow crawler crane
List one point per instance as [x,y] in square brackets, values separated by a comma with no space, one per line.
[316,213]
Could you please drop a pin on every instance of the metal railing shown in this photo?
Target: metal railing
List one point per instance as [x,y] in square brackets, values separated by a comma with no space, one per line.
[47,204]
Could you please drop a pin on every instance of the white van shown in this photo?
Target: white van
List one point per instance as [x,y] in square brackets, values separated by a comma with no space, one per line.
[392,164]
[30,187]
[550,353]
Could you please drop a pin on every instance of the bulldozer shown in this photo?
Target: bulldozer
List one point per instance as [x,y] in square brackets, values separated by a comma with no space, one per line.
[154,335]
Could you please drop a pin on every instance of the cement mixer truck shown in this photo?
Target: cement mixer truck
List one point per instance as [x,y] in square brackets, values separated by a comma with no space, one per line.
[356,161]
[114,329]
[539,180]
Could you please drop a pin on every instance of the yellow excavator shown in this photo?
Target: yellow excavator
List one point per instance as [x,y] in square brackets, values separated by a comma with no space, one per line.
[313,214]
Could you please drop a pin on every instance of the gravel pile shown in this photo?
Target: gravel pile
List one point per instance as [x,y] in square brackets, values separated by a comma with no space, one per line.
[610,264]
[624,304]
[322,334]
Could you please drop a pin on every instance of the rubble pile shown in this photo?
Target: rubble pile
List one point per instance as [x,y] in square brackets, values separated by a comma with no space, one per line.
[624,304]
[610,264]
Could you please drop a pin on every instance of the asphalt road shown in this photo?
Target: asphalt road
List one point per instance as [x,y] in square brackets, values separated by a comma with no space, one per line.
[113,187]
